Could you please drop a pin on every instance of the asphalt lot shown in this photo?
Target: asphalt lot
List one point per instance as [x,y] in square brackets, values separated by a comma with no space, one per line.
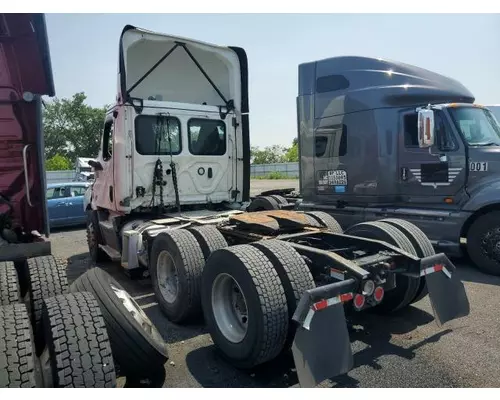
[406,349]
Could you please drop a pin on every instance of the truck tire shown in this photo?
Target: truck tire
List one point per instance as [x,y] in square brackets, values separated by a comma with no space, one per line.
[17,351]
[294,275]
[209,238]
[482,237]
[94,238]
[263,203]
[326,220]
[22,277]
[176,265]
[244,305]
[10,292]
[422,245]
[138,348]
[406,287]
[279,199]
[78,346]
[47,278]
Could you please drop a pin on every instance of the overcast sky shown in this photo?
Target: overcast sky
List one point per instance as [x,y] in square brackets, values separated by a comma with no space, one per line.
[84,50]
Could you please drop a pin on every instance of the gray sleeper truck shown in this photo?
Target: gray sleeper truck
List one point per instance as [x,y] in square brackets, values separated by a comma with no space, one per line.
[380,140]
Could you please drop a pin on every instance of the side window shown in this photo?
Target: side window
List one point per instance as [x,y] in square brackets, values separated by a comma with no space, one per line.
[107,140]
[77,191]
[207,137]
[332,142]
[444,138]
[50,193]
[57,192]
[410,129]
[331,83]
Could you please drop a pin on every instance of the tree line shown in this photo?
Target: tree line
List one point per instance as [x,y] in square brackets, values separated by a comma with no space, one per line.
[73,129]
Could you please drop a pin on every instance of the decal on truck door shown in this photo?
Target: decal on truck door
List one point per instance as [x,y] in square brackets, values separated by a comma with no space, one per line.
[332,181]
[435,174]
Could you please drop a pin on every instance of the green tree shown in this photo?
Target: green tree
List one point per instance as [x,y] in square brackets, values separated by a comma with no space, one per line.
[72,128]
[57,163]
[292,153]
[269,155]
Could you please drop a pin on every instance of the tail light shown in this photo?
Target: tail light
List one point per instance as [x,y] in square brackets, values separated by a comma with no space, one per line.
[378,294]
[359,301]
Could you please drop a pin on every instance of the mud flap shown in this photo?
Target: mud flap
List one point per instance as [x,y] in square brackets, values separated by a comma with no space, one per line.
[446,291]
[321,347]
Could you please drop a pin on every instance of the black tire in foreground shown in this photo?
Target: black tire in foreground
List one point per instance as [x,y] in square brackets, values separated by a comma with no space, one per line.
[406,287]
[482,238]
[94,238]
[244,305]
[175,266]
[263,203]
[138,348]
[209,238]
[326,220]
[77,342]
[17,350]
[47,278]
[10,292]
[294,274]
[422,245]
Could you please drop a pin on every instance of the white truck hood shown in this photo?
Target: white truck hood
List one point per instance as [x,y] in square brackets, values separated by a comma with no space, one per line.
[180,70]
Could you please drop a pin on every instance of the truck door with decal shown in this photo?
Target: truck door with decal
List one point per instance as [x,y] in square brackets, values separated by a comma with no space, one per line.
[428,175]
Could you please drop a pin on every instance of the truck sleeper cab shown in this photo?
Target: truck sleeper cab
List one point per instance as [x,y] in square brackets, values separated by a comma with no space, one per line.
[169,198]
[362,157]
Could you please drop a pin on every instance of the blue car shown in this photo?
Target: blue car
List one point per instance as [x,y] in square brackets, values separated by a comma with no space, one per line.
[65,203]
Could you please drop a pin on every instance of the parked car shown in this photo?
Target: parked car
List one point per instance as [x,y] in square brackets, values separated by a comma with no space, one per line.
[65,203]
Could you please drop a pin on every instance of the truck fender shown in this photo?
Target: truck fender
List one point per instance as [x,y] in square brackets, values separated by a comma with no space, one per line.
[481,201]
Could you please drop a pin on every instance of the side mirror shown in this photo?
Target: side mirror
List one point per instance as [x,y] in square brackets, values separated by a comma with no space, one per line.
[95,164]
[425,128]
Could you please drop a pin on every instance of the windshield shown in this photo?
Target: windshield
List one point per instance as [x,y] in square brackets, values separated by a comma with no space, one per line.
[478,126]
[495,110]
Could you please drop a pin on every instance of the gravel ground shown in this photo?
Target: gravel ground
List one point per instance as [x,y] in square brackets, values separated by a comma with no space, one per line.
[404,350]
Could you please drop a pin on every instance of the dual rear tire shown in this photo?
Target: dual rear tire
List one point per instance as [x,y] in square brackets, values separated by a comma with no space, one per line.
[247,293]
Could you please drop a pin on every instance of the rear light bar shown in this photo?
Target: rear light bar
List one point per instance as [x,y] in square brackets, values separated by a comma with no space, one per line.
[321,305]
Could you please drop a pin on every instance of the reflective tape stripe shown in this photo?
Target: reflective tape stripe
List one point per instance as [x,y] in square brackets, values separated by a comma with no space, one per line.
[308,319]
[322,304]
[435,268]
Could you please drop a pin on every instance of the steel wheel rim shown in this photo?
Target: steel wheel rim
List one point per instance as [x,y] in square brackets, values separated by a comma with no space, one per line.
[168,280]
[230,308]
[137,312]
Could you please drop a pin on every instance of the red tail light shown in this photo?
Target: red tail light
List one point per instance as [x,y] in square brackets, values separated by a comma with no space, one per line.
[359,301]
[378,294]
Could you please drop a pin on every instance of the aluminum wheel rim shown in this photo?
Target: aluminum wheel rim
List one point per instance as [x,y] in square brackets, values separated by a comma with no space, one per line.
[230,308]
[490,244]
[168,280]
[137,313]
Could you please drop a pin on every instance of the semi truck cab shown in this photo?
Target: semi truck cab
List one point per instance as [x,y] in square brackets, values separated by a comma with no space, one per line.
[382,139]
